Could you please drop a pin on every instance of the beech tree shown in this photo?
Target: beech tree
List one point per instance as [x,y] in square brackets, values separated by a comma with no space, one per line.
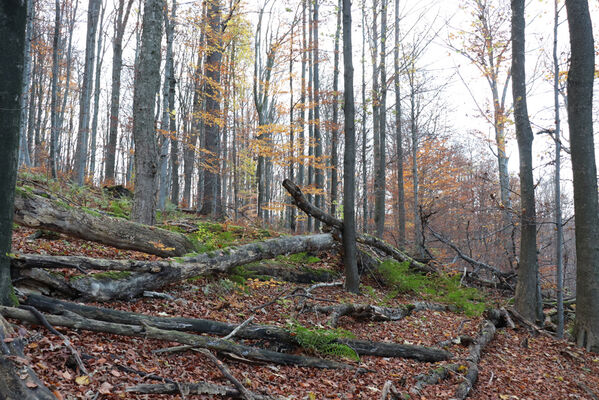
[147,83]
[352,279]
[13,15]
[580,120]
[528,299]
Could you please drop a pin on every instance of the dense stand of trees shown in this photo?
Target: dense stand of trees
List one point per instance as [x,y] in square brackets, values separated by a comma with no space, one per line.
[251,95]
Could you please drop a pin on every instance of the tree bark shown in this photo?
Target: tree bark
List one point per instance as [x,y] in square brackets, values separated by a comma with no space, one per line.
[12,29]
[527,299]
[580,119]
[72,320]
[335,122]
[120,23]
[152,275]
[352,279]
[38,212]
[17,381]
[380,162]
[401,209]
[86,91]
[252,332]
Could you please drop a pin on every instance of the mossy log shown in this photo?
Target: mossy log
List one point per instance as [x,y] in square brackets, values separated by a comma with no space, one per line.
[254,332]
[17,379]
[39,212]
[153,275]
[72,320]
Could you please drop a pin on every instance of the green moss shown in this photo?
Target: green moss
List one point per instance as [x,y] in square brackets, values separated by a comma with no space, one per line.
[13,297]
[91,211]
[120,207]
[443,288]
[324,341]
[299,258]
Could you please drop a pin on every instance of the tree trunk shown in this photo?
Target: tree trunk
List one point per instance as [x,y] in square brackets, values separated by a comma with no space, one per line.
[94,128]
[364,132]
[580,119]
[120,23]
[86,91]
[335,124]
[54,130]
[146,85]
[157,274]
[401,210]
[210,202]
[42,213]
[527,298]
[24,155]
[379,170]
[352,279]
[13,16]
[318,169]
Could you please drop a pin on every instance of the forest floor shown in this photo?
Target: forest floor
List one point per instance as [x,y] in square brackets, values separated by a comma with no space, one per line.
[515,365]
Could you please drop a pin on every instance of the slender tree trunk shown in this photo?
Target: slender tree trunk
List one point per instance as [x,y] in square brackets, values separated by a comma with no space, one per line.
[291,173]
[94,128]
[147,83]
[580,119]
[311,107]
[189,151]
[414,135]
[401,210]
[352,279]
[527,300]
[86,91]
[24,155]
[302,132]
[117,64]
[173,115]
[169,78]
[375,101]
[364,133]
[335,127]
[379,171]
[318,172]
[13,16]
[559,262]
[54,129]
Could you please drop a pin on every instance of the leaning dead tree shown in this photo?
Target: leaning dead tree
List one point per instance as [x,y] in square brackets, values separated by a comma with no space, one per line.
[139,276]
[40,212]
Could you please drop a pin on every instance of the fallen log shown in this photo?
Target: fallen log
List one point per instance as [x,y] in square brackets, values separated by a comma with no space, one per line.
[259,332]
[75,321]
[152,275]
[17,379]
[205,388]
[39,212]
[301,202]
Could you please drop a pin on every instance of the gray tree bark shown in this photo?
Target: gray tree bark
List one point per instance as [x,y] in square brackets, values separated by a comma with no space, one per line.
[147,83]
[24,155]
[94,127]
[318,172]
[527,298]
[401,209]
[380,161]
[54,129]
[335,127]
[13,16]
[580,120]
[120,23]
[352,279]
[86,91]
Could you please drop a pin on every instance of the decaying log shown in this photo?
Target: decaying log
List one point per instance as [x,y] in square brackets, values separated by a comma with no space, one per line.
[205,388]
[373,313]
[470,365]
[301,202]
[72,320]
[17,379]
[260,332]
[42,213]
[152,275]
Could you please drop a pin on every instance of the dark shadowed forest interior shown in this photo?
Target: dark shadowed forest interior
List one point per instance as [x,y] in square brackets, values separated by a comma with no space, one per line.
[298,199]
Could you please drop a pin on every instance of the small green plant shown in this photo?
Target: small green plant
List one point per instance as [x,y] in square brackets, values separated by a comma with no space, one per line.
[324,341]
[443,288]
[299,258]
[210,237]
[121,207]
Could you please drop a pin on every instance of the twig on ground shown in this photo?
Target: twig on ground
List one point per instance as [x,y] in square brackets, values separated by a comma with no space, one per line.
[245,393]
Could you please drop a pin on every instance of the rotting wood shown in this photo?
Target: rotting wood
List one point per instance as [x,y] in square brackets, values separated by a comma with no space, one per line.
[200,388]
[39,212]
[261,332]
[301,202]
[17,379]
[72,320]
[152,275]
